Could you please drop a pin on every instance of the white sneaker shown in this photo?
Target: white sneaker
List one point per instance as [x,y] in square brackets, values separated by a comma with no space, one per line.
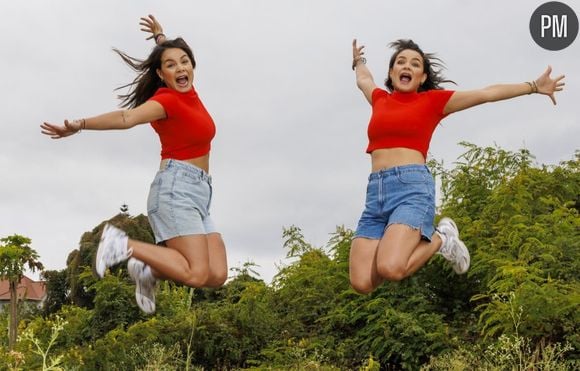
[145,284]
[112,249]
[452,248]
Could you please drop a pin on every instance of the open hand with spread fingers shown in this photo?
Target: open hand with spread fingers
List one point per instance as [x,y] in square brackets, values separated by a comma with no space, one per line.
[548,86]
[62,131]
[151,25]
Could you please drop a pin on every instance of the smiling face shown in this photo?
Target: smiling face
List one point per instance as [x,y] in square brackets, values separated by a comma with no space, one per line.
[407,73]
[176,70]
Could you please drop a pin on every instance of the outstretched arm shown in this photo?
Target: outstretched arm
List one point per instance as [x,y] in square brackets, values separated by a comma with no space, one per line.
[151,25]
[546,85]
[147,112]
[364,79]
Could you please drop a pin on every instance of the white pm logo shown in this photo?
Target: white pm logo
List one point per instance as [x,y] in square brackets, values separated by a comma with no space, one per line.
[558,25]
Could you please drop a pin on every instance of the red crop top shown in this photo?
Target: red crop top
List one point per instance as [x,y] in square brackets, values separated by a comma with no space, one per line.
[188,129]
[405,119]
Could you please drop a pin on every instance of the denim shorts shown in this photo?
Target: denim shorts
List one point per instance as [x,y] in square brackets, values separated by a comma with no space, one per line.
[398,195]
[179,201]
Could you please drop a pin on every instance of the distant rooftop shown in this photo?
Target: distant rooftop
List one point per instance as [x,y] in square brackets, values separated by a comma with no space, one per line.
[27,289]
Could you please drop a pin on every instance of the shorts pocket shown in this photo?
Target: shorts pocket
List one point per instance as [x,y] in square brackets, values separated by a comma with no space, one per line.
[187,177]
[210,197]
[153,198]
[413,177]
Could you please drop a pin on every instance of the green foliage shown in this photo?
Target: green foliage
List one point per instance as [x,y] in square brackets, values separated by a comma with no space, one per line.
[114,305]
[230,334]
[55,283]
[505,353]
[15,256]
[515,309]
[42,349]
[80,261]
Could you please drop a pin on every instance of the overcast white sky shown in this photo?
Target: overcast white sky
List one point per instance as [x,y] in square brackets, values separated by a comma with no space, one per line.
[276,77]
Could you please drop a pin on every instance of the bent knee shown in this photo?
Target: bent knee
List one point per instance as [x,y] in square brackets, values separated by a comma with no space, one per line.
[197,277]
[392,272]
[217,279]
[362,286]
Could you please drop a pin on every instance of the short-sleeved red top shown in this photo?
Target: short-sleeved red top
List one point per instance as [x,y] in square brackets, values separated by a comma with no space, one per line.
[405,119]
[188,129]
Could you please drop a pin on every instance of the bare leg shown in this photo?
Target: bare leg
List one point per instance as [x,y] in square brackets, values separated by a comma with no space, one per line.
[401,252]
[178,268]
[218,264]
[364,277]
[423,253]
[185,260]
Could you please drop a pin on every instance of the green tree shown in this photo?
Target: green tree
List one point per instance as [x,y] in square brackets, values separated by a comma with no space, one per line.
[522,225]
[16,255]
[55,283]
[81,260]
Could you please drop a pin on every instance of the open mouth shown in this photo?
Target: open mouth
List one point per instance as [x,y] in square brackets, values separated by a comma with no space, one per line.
[182,81]
[405,77]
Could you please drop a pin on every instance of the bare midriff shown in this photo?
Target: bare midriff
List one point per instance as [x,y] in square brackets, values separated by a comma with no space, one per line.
[201,162]
[391,157]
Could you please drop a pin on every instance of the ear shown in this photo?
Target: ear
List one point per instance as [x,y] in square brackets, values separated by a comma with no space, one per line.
[391,74]
[159,74]
[423,78]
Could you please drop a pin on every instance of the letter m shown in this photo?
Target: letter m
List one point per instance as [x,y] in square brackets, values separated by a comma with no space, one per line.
[560,26]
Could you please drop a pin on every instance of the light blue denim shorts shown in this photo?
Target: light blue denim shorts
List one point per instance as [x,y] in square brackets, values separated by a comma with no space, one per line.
[398,195]
[179,201]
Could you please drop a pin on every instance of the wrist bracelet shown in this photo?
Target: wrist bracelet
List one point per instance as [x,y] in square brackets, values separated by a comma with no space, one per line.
[533,86]
[355,62]
[156,37]
[82,125]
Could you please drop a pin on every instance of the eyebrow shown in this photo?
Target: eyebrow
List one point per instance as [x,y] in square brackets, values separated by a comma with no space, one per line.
[173,60]
[413,58]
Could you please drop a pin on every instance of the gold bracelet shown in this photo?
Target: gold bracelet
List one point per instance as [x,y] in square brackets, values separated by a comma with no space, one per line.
[535,88]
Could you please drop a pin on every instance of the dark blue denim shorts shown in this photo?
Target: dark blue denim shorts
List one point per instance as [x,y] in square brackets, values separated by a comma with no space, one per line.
[398,195]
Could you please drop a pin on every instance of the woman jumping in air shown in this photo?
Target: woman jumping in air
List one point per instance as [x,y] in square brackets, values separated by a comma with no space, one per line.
[179,198]
[395,234]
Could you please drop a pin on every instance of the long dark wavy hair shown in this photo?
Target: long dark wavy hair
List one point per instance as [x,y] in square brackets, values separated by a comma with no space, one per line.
[147,81]
[432,66]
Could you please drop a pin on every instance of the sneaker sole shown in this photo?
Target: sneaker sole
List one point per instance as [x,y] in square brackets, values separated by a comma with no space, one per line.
[144,302]
[457,268]
[99,264]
